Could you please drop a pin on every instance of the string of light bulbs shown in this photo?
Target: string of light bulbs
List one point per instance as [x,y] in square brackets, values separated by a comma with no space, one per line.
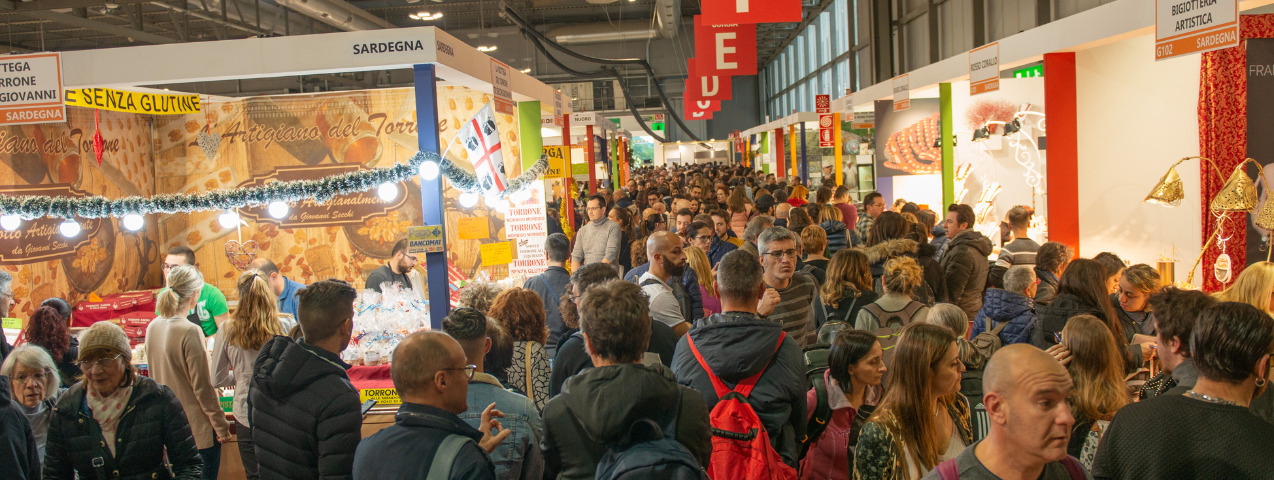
[276,196]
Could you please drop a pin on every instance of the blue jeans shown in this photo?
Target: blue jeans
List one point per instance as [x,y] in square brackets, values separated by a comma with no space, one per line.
[211,461]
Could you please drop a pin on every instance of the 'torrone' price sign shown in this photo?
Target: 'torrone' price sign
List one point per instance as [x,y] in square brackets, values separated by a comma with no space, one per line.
[1183,27]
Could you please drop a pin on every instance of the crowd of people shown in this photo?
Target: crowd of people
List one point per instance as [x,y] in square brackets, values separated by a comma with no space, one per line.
[704,322]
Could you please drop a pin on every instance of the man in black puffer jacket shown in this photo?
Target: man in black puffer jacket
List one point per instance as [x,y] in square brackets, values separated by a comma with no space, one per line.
[737,344]
[964,264]
[304,412]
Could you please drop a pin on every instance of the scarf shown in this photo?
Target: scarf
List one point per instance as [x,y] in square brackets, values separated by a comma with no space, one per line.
[107,411]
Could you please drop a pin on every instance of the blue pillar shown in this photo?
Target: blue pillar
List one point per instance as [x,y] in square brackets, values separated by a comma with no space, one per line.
[431,198]
[804,167]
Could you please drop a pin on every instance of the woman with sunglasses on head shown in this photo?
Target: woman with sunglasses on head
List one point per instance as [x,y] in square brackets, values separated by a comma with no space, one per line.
[255,321]
[115,421]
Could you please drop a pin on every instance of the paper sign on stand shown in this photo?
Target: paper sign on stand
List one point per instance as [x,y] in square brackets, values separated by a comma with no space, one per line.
[426,239]
[474,228]
[498,253]
[502,88]
[557,162]
[902,92]
[32,89]
[984,69]
[1183,27]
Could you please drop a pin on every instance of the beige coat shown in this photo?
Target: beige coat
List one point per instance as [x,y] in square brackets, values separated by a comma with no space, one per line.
[178,360]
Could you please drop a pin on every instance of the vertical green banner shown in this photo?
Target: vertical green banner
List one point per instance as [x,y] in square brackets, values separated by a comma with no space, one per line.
[531,143]
[948,147]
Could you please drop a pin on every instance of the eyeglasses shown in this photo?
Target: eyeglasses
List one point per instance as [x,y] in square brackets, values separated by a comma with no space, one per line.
[38,377]
[783,253]
[410,256]
[468,370]
[85,365]
[170,266]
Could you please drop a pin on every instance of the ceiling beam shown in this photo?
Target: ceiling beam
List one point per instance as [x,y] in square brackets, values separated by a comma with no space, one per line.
[38,5]
[74,21]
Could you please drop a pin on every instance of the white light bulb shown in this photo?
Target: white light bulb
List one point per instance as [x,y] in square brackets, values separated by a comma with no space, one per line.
[387,191]
[279,209]
[228,219]
[429,170]
[133,222]
[521,196]
[10,222]
[468,200]
[499,205]
[69,228]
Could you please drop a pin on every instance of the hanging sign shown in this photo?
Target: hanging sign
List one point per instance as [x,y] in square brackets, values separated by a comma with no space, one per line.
[739,143]
[825,132]
[502,87]
[1183,27]
[557,162]
[902,92]
[823,103]
[725,49]
[984,69]
[723,12]
[862,120]
[31,89]
[707,85]
[426,239]
[133,102]
[558,119]
[498,253]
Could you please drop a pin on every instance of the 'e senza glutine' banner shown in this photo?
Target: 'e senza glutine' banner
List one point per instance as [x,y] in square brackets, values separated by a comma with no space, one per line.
[133,102]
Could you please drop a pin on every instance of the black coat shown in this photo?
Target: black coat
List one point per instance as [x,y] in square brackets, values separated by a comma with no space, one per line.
[407,448]
[152,424]
[965,268]
[1052,318]
[19,458]
[880,253]
[304,412]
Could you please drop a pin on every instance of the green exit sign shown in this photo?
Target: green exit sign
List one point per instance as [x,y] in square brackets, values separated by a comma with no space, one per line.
[657,126]
[1029,72]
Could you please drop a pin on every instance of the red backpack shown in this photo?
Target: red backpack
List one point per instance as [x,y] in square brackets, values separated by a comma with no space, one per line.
[741,447]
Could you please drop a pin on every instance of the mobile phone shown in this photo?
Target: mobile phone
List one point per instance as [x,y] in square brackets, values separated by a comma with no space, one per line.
[367,406]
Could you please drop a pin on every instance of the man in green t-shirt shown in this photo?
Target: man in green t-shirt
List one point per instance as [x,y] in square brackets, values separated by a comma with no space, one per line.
[212,309]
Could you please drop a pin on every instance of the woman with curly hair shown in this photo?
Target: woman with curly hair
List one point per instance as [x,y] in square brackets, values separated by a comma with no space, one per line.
[479,296]
[521,313]
[48,330]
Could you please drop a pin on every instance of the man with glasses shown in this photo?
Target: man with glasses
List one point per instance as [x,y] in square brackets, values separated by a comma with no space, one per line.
[796,292]
[395,271]
[704,238]
[597,241]
[873,206]
[212,309]
[432,376]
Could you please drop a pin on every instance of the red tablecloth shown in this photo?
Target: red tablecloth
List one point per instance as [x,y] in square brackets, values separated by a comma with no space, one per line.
[364,377]
[112,306]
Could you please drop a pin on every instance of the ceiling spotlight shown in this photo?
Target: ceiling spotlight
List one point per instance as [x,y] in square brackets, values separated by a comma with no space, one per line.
[526,70]
[69,228]
[486,48]
[429,170]
[468,200]
[279,209]
[10,222]
[387,191]
[228,219]
[133,222]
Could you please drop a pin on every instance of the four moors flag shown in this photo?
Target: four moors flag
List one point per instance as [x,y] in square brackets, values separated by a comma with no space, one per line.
[481,140]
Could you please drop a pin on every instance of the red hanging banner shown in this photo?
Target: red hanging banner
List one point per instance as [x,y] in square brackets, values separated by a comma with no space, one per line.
[725,49]
[706,85]
[725,12]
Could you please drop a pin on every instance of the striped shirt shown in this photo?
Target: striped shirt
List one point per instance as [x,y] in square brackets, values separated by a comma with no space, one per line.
[795,310]
[1020,251]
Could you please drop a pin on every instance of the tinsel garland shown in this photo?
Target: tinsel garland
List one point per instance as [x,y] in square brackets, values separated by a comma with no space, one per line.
[30,207]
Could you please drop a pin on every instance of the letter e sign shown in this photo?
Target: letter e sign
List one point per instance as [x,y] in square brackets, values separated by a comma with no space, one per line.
[725,49]
[726,12]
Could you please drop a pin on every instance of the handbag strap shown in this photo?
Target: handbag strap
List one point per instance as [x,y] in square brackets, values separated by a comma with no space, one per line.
[530,390]
[445,456]
[556,297]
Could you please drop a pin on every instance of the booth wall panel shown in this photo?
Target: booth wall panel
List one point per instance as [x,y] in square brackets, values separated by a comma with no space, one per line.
[1136,117]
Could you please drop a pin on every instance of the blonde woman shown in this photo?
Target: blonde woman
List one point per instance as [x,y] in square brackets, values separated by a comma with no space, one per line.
[901,277]
[1253,287]
[255,322]
[1097,369]
[175,349]
[698,261]
[1136,284]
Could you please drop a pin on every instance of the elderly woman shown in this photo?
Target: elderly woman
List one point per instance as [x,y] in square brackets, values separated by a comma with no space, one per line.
[116,423]
[34,379]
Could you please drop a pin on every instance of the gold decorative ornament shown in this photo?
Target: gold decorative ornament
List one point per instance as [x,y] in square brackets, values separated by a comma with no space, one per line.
[1168,192]
[1239,192]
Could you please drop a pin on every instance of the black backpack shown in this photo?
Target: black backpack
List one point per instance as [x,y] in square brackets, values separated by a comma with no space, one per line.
[678,291]
[816,361]
[650,450]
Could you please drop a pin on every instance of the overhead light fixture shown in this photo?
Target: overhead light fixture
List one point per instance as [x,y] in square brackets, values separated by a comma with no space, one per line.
[228,219]
[526,70]
[468,200]
[429,170]
[486,48]
[387,191]
[425,16]
[279,210]
[69,228]
[10,222]
[133,222]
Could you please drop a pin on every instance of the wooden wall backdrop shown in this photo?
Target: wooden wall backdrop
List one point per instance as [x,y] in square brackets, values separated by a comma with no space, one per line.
[58,159]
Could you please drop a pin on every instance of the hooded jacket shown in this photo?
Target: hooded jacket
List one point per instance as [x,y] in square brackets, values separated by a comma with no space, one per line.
[407,448]
[19,457]
[965,268]
[1052,318]
[304,412]
[153,423]
[1003,306]
[598,405]
[880,253]
[837,236]
[736,346]
[1046,291]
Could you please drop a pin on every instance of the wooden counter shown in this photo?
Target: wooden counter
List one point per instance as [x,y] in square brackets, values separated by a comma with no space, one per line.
[232,465]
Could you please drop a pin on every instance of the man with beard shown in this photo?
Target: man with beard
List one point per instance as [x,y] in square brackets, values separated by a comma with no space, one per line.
[396,270]
[667,260]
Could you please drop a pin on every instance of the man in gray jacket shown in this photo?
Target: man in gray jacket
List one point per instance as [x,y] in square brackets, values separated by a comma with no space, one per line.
[597,241]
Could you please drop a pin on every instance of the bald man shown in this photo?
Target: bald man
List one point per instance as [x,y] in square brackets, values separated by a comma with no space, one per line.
[432,376]
[1025,393]
[667,260]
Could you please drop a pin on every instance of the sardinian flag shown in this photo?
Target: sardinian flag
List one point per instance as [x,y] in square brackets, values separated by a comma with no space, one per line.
[481,140]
